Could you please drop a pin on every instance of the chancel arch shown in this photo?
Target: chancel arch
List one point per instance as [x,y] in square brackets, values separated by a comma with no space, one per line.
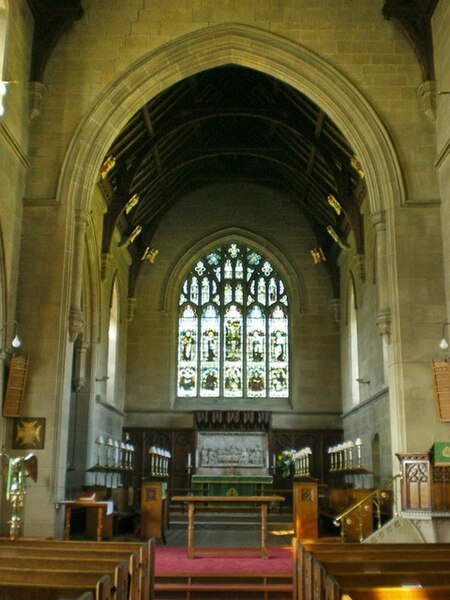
[263,51]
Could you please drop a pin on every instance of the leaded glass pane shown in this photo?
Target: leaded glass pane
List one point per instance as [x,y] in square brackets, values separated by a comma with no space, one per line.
[213,259]
[261,291]
[194,290]
[205,290]
[267,268]
[253,259]
[210,331]
[233,352]
[239,293]
[228,270]
[237,345]
[256,353]
[227,293]
[272,291]
[187,353]
[278,359]
[200,268]
[233,250]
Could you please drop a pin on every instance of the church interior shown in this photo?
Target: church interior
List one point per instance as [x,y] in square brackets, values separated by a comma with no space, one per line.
[225,265]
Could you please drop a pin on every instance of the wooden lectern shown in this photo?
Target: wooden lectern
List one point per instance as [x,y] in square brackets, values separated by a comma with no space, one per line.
[305,509]
[154,509]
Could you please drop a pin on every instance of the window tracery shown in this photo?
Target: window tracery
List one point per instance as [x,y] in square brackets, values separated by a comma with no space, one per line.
[233,327]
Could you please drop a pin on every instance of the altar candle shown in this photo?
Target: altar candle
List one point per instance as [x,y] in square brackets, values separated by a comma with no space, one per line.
[196,459]
[189,463]
[267,458]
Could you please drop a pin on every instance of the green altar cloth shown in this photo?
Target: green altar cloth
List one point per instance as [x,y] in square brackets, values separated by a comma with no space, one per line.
[230,485]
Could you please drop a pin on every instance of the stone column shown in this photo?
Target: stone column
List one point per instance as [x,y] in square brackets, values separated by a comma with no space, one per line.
[378,220]
[76,317]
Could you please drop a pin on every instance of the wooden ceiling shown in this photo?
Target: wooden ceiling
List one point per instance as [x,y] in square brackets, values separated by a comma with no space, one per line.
[230,124]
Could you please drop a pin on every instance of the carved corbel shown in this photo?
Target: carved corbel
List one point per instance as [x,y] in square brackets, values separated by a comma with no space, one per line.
[384,325]
[76,323]
[36,93]
[427,95]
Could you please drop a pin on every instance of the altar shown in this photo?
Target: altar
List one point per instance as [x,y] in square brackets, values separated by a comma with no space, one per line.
[230,485]
[231,464]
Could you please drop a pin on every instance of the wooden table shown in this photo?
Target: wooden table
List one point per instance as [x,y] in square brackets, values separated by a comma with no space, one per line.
[100,507]
[261,501]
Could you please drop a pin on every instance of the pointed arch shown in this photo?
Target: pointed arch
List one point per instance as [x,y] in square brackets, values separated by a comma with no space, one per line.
[283,59]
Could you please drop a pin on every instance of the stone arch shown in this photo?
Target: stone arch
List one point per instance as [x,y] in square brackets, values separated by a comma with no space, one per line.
[250,47]
[262,51]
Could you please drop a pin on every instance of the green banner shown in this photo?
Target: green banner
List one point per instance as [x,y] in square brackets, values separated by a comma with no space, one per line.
[441,454]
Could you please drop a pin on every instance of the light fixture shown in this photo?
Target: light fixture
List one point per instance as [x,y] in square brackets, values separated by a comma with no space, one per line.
[133,235]
[150,254]
[317,255]
[131,203]
[16,341]
[334,204]
[443,344]
[108,164]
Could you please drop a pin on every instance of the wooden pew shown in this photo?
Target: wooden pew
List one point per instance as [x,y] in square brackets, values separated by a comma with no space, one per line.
[96,552]
[83,564]
[343,567]
[29,584]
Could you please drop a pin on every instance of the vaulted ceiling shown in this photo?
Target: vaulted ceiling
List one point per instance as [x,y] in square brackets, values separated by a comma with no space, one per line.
[230,124]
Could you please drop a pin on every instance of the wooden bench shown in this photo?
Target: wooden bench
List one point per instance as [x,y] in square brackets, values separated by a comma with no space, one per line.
[331,570]
[224,585]
[141,573]
[28,584]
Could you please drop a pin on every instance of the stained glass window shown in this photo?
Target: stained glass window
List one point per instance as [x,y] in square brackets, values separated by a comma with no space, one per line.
[233,328]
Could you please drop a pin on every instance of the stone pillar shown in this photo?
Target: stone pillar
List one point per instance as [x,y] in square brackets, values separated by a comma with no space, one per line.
[76,317]
[378,220]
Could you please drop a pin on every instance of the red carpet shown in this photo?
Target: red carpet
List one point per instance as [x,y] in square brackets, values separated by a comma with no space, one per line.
[175,560]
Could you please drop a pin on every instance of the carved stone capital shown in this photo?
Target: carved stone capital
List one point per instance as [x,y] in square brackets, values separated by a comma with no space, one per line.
[76,323]
[131,308]
[384,325]
[36,93]
[378,220]
[427,94]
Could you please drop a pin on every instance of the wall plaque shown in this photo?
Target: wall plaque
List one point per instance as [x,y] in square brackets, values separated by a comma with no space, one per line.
[15,388]
[441,381]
